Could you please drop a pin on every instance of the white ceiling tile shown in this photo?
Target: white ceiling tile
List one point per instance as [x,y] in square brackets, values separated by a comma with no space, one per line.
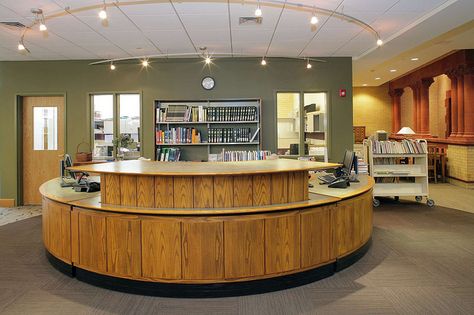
[156,22]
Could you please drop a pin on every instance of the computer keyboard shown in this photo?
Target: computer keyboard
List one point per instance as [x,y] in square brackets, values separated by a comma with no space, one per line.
[327,179]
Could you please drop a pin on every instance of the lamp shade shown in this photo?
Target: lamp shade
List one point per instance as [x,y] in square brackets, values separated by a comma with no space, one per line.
[406,131]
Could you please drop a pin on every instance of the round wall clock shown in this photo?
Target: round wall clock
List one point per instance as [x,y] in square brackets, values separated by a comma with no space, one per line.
[208,83]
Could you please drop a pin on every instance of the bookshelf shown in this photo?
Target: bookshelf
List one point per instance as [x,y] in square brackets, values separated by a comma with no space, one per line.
[399,169]
[196,128]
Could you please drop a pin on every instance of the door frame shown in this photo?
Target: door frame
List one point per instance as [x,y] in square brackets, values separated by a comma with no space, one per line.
[18,135]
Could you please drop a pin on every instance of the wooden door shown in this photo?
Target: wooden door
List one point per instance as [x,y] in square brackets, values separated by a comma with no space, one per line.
[43,143]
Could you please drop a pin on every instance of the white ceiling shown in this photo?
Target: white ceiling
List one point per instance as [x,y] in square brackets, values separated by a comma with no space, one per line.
[182,26]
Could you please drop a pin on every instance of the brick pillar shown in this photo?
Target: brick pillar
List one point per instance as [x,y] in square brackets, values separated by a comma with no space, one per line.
[454,103]
[469,102]
[416,89]
[460,96]
[424,105]
[395,94]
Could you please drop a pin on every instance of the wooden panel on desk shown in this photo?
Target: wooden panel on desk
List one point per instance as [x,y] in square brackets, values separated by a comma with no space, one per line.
[203,250]
[243,191]
[45,222]
[223,191]
[344,227]
[163,192]
[161,248]
[296,186]
[103,188]
[124,245]
[145,191]
[59,225]
[128,190]
[74,236]
[282,243]
[203,192]
[92,240]
[305,185]
[363,208]
[262,187]
[183,191]
[316,236]
[244,248]
[279,188]
[112,189]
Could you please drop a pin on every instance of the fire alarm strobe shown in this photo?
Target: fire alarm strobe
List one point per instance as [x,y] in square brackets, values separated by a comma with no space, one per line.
[342,92]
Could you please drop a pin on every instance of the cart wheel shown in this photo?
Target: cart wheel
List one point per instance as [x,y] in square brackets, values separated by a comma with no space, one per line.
[396,198]
[430,202]
[376,202]
[418,198]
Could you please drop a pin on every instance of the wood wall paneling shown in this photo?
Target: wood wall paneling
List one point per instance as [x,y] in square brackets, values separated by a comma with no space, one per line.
[244,248]
[128,190]
[243,191]
[112,189]
[203,250]
[316,236]
[262,187]
[161,248]
[223,191]
[124,245]
[183,191]
[145,191]
[92,240]
[279,190]
[164,197]
[296,186]
[203,191]
[282,243]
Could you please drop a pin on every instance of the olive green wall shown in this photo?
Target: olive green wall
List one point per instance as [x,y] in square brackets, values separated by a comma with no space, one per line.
[169,79]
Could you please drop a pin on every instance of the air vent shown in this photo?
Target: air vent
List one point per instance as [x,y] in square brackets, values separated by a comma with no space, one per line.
[13,24]
[250,20]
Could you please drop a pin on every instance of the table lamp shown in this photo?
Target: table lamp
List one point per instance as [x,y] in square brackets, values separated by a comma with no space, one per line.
[406,131]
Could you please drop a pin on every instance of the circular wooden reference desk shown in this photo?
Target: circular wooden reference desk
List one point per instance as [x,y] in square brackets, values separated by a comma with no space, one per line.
[193,229]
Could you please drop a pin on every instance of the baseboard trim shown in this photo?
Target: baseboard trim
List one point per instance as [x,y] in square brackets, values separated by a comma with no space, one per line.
[7,203]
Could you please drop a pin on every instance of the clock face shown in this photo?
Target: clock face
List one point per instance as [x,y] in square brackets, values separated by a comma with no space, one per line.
[208,83]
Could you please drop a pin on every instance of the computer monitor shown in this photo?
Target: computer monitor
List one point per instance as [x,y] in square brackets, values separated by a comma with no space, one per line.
[68,163]
[348,162]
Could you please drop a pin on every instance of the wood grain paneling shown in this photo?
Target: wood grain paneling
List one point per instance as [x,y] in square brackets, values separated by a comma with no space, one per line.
[128,190]
[59,225]
[145,191]
[164,192]
[183,192]
[305,185]
[279,189]
[316,236]
[75,236]
[45,222]
[92,240]
[244,248]
[203,250]
[223,191]
[282,243]
[203,191]
[262,187]
[296,186]
[161,248]
[243,191]
[344,227]
[124,245]
[103,188]
[112,189]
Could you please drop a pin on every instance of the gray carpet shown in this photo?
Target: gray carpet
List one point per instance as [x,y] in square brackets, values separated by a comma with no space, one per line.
[421,262]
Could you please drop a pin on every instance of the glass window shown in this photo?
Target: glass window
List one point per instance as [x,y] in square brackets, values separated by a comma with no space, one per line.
[103,125]
[45,128]
[129,111]
[315,121]
[288,123]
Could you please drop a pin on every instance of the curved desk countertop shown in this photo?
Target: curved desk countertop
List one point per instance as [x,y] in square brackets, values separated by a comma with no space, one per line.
[241,232]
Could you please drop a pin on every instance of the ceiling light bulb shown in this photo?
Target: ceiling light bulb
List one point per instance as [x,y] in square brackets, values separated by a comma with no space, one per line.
[264,62]
[314,20]
[21,46]
[207,60]
[379,42]
[393,70]
[414,59]
[42,27]
[103,14]
[112,66]
[365,84]
[258,11]
[308,66]
[145,63]
[377,78]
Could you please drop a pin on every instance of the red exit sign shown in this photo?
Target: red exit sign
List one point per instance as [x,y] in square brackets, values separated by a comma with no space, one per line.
[342,93]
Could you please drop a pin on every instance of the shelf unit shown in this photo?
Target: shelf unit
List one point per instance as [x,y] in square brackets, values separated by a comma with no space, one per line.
[406,179]
[200,151]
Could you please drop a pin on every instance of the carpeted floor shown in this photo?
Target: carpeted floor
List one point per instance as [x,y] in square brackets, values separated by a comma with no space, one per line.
[421,262]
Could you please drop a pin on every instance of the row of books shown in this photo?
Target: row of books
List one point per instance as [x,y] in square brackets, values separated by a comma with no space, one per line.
[178,135]
[230,135]
[185,113]
[406,146]
[232,156]
[168,154]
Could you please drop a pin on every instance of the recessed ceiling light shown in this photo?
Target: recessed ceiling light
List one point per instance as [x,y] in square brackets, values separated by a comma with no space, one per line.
[264,62]
[379,42]
[365,84]
[258,11]
[414,59]
[393,70]
[377,78]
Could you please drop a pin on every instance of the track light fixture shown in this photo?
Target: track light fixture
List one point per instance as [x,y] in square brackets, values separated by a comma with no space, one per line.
[112,66]
[145,63]
[207,60]
[308,64]
[379,42]
[258,10]
[21,46]
[39,18]
[263,62]
[314,19]
[103,12]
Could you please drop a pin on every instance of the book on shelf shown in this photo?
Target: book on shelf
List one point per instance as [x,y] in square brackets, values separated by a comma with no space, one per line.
[168,154]
[406,146]
[186,113]
[178,135]
[229,135]
[255,134]
[233,156]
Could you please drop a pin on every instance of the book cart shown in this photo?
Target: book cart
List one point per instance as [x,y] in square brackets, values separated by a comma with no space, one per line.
[399,169]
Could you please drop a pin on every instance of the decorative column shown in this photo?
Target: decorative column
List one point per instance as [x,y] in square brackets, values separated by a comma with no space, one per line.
[468,102]
[460,96]
[416,110]
[396,94]
[454,102]
[425,106]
